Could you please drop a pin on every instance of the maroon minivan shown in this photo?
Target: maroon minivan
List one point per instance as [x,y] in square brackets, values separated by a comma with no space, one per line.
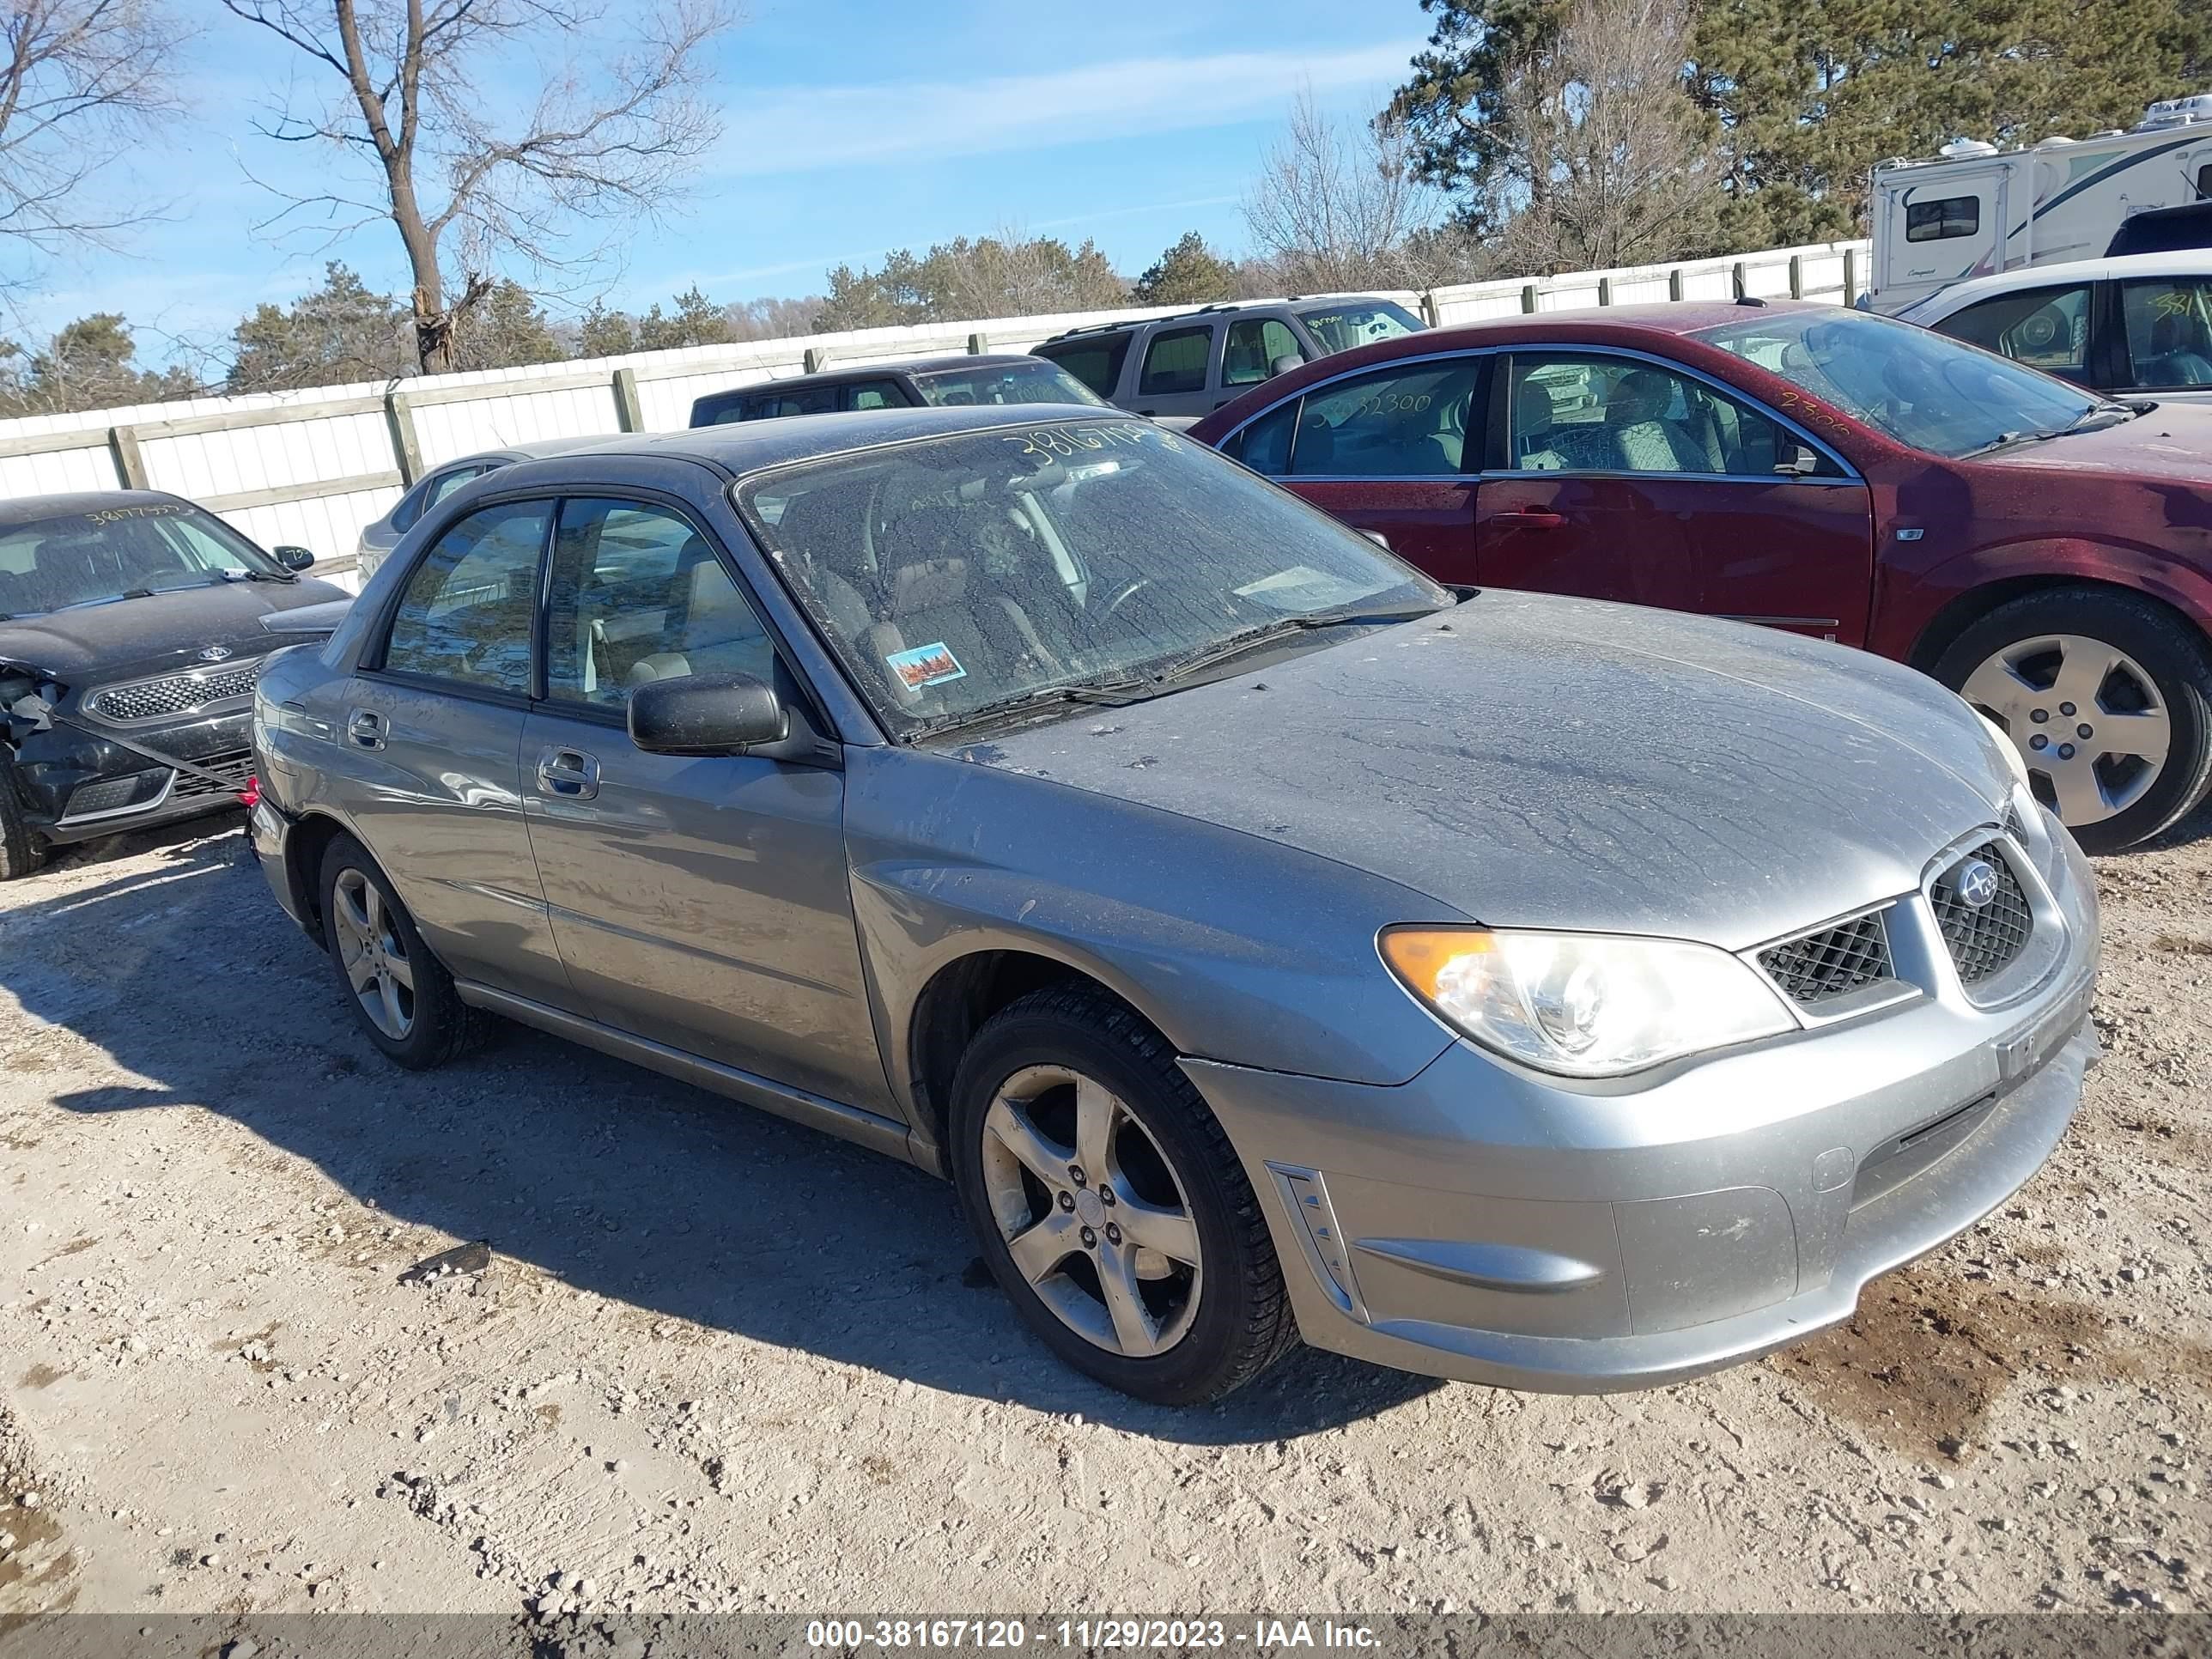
[2042,550]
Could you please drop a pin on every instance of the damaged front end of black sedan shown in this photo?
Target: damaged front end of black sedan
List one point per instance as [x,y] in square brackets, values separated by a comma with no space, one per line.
[132,629]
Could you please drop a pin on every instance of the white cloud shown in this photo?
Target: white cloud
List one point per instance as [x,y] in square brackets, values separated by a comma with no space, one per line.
[801,130]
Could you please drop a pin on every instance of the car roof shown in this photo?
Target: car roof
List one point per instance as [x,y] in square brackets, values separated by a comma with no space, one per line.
[746,447]
[1659,317]
[1219,307]
[537,449]
[19,510]
[2182,262]
[876,371]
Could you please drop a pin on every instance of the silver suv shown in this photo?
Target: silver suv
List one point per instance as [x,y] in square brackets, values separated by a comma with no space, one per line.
[1193,364]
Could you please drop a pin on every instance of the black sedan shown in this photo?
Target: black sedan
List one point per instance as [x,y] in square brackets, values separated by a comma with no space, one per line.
[132,625]
[940,382]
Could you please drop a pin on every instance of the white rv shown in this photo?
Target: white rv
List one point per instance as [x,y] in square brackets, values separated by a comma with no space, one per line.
[1976,210]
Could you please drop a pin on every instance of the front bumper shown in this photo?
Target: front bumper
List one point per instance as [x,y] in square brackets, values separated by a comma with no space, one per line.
[74,784]
[1484,1222]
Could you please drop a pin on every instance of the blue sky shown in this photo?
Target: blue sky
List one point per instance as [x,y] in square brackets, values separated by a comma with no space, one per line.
[852,127]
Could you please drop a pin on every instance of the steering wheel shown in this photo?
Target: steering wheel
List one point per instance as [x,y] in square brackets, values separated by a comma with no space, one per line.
[1128,592]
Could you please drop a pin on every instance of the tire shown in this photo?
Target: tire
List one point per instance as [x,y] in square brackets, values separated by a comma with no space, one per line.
[422,1022]
[2022,659]
[21,851]
[1215,1323]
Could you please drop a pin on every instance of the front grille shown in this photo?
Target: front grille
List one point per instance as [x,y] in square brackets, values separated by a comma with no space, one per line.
[1982,938]
[174,693]
[1818,967]
[233,766]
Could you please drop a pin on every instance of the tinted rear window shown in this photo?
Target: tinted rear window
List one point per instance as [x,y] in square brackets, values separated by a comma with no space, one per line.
[1174,362]
[1095,360]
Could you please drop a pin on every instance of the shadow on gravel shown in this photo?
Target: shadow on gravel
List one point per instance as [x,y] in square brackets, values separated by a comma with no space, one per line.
[647,1192]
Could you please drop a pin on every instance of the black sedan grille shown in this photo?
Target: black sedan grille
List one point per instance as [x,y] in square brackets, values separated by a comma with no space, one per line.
[233,766]
[174,693]
[1982,938]
[1818,967]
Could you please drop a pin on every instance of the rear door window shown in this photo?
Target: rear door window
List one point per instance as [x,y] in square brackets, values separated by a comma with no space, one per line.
[803,400]
[874,394]
[1265,445]
[1174,362]
[1409,422]
[2045,328]
[467,611]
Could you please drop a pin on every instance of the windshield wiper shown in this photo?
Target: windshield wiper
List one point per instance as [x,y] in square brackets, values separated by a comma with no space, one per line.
[2102,414]
[1284,628]
[1111,693]
[2098,417]
[257,576]
[1119,694]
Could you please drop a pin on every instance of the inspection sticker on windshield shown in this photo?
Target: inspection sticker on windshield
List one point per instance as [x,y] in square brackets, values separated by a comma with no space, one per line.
[926,665]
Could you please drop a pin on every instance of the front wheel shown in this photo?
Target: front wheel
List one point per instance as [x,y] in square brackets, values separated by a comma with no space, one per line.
[1109,1204]
[20,849]
[2106,695]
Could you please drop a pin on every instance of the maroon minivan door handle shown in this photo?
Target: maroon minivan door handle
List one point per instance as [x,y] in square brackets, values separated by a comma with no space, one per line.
[1533,518]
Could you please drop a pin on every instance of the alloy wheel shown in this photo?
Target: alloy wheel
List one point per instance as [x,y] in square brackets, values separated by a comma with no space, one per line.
[1095,1217]
[2085,716]
[374,954]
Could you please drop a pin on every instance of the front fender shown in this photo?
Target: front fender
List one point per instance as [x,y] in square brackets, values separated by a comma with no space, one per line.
[1238,949]
[2150,570]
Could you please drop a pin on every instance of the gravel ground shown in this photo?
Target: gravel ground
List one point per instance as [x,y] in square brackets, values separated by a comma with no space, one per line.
[718,1363]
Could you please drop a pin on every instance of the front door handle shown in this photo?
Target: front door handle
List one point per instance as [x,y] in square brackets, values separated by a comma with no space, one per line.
[366,728]
[1531,518]
[570,774]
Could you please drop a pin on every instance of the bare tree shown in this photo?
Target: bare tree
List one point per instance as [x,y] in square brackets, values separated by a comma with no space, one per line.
[411,94]
[81,83]
[1608,161]
[1338,206]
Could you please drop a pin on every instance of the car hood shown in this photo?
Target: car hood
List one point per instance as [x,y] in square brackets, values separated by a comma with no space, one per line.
[130,637]
[1533,761]
[2173,442]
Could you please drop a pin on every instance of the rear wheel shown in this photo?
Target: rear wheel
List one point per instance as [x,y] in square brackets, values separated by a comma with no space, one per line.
[401,994]
[1109,1204]
[2108,697]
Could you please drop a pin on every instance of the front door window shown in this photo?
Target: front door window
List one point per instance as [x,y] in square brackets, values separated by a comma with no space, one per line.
[638,595]
[2169,323]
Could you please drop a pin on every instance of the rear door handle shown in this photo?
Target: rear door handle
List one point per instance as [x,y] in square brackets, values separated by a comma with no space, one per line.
[1531,518]
[366,728]
[570,774]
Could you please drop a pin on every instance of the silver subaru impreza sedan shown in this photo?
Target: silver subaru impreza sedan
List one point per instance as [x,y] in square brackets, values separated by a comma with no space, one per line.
[1268,942]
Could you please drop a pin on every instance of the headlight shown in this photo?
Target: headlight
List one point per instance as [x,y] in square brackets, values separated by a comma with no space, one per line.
[1587,1005]
[2013,758]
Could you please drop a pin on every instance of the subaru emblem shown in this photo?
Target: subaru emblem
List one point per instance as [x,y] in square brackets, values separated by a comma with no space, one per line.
[1976,883]
[216,654]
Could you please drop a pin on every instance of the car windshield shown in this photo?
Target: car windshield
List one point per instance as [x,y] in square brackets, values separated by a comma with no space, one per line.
[119,552]
[1921,388]
[1037,382]
[1342,326]
[956,575]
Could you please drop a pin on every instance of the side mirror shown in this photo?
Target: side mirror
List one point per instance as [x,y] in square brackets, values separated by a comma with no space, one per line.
[1285,363]
[1802,463]
[293,558]
[707,715]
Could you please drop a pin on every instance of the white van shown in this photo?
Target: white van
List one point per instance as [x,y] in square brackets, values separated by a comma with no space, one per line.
[1976,210]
